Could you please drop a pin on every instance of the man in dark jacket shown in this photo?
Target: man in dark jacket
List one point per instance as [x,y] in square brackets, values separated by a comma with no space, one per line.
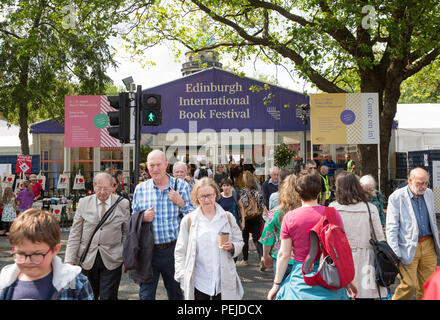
[270,186]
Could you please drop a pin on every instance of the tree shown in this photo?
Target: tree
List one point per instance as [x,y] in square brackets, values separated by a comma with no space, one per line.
[283,155]
[45,46]
[423,87]
[339,45]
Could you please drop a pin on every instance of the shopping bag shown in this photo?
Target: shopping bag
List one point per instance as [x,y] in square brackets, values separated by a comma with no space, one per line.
[56,210]
[7,180]
[41,179]
[78,183]
[62,181]
[19,183]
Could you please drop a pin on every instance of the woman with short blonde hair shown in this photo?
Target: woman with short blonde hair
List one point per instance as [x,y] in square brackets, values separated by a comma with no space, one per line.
[209,239]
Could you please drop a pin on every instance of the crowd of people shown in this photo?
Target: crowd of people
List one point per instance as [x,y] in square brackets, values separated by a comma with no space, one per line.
[199,221]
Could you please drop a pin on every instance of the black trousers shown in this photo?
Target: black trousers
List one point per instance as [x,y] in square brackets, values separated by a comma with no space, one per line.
[253,226]
[198,295]
[104,282]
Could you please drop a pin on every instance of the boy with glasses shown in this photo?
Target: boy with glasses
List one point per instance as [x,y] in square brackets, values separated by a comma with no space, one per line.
[38,273]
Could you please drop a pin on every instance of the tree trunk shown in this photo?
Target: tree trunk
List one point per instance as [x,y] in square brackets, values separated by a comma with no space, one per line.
[23,122]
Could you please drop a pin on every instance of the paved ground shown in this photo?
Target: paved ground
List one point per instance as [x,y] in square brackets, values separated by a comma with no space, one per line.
[255,283]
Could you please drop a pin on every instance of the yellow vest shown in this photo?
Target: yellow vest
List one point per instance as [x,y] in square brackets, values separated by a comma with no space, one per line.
[327,186]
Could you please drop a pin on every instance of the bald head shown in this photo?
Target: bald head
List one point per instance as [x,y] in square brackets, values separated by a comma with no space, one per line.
[418,181]
[157,155]
[157,165]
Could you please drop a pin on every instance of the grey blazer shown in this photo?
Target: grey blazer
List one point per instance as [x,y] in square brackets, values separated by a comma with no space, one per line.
[401,225]
[108,239]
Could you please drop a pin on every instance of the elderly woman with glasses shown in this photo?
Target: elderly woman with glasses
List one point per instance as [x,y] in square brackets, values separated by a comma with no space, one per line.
[208,241]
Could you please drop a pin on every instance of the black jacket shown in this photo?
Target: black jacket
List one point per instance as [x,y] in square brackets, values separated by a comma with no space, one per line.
[138,249]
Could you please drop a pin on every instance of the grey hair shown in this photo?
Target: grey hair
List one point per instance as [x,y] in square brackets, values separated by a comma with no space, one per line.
[368,180]
[180,163]
[102,175]
[272,169]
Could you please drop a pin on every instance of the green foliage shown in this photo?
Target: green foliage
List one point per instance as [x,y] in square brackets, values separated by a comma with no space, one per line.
[423,87]
[49,49]
[283,155]
[144,151]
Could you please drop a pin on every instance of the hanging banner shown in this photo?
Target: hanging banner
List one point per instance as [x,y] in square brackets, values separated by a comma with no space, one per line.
[344,118]
[24,164]
[86,122]
[436,185]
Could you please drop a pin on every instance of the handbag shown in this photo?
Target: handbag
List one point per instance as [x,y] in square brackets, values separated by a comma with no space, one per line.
[386,262]
[103,219]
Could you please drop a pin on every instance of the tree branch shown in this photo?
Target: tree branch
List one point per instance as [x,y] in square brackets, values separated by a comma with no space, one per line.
[321,82]
[421,63]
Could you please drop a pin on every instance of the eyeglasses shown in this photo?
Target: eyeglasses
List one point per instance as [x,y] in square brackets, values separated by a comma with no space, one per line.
[99,189]
[35,258]
[206,196]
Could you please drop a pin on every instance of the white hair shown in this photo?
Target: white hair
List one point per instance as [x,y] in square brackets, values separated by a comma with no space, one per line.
[102,175]
[368,180]
[180,163]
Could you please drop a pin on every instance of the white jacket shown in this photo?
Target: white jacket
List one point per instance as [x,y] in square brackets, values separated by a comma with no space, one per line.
[401,226]
[185,256]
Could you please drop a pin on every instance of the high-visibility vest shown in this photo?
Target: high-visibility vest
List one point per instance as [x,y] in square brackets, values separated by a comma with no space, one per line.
[349,164]
[327,186]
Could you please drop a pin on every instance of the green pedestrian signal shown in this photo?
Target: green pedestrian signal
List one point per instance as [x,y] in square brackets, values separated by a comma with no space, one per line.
[151,110]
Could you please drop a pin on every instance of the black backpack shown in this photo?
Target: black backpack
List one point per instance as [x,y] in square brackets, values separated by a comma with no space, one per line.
[386,261]
[203,172]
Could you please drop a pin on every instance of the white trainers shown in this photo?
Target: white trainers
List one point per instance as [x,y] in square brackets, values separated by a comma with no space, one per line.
[242,263]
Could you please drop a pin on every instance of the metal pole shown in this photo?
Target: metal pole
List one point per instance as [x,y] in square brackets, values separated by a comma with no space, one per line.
[137,134]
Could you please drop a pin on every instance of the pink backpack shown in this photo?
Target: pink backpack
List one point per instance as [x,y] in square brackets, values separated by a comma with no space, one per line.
[336,268]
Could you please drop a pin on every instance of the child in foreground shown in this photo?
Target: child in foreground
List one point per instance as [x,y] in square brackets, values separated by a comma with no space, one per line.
[38,273]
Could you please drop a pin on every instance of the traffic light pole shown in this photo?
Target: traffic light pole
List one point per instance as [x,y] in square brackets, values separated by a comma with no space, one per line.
[137,134]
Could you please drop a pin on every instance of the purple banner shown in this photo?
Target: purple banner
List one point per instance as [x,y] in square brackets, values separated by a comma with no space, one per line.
[221,100]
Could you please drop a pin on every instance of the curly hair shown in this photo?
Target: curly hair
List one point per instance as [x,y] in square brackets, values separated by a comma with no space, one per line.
[289,199]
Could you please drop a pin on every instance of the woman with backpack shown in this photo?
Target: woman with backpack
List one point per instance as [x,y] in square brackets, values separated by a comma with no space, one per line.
[253,205]
[295,235]
[351,203]
[209,239]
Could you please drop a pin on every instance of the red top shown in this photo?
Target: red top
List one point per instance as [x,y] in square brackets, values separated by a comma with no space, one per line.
[297,225]
[36,188]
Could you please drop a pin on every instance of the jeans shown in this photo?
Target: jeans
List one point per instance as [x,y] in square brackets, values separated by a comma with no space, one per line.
[163,264]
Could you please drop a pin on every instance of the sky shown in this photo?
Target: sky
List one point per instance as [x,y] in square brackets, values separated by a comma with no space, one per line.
[167,69]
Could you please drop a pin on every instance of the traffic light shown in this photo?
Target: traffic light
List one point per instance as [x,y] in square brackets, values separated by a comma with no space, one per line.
[119,120]
[151,110]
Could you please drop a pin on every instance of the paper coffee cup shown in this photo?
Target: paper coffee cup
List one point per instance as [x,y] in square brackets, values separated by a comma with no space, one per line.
[223,237]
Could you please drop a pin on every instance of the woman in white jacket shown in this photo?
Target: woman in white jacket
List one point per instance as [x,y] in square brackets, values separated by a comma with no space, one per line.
[352,206]
[204,269]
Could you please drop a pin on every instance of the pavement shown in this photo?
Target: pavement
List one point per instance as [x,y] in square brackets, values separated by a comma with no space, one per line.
[256,284]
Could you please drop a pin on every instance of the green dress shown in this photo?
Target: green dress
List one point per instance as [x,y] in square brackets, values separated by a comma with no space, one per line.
[271,233]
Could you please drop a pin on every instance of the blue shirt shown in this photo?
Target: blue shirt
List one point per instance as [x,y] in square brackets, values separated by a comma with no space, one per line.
[41,289]
[422,215]
[331,167]
[166,220]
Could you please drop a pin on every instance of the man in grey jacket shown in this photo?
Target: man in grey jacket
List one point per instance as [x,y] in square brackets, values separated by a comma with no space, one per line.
[412,233]
[103,263]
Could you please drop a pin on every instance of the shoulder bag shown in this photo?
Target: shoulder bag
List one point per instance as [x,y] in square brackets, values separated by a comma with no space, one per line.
[386,261]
